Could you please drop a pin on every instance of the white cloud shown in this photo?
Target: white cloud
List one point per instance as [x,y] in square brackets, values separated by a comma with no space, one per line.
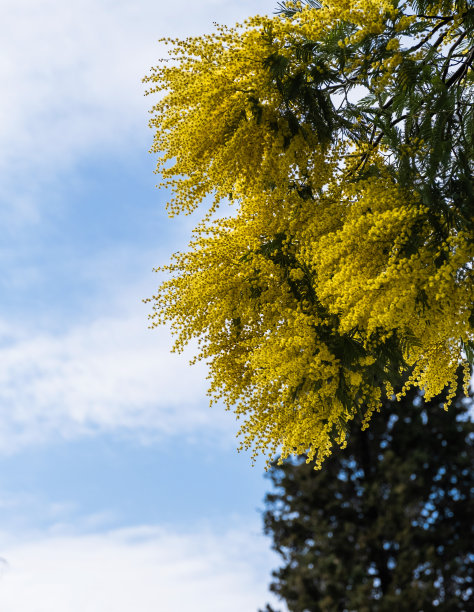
[71,80]
[104,375]
[144,569]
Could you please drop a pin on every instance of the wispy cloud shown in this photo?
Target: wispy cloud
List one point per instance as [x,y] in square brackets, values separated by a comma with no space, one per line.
[111,373]
[143,568]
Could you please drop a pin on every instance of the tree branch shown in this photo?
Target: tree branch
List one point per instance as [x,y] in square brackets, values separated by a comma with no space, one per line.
[462,70]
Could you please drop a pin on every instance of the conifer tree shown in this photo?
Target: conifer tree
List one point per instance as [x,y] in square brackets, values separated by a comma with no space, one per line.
[387,524]
[341,135]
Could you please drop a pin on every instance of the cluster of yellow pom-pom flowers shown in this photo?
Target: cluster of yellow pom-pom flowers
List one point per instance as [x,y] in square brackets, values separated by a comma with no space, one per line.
[280,290]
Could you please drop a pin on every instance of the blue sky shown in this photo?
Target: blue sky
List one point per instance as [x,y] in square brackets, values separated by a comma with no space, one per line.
[120,489]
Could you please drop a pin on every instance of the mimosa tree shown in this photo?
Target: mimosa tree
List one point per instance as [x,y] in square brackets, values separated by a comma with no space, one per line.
[342,134]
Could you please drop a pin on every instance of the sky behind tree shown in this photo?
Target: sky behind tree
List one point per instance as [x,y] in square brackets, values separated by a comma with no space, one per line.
[120,488]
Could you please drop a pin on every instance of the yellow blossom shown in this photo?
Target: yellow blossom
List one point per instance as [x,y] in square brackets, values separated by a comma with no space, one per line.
[294,299]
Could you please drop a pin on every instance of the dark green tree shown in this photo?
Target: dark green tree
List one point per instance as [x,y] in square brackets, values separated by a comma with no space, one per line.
[387,525]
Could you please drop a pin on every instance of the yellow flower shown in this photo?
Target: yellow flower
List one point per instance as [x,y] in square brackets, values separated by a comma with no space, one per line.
[281,290]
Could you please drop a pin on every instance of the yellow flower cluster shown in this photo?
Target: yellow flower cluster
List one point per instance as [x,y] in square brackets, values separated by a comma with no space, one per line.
[281,291]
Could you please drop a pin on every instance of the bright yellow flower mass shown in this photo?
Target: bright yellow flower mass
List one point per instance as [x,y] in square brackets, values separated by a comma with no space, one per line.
[308,301]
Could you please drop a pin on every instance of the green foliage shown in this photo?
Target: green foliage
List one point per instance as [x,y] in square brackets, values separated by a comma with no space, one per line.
[387,524]
[421,109]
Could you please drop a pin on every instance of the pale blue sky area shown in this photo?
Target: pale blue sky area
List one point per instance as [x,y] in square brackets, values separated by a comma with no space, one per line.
[120,488]
[128,482]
